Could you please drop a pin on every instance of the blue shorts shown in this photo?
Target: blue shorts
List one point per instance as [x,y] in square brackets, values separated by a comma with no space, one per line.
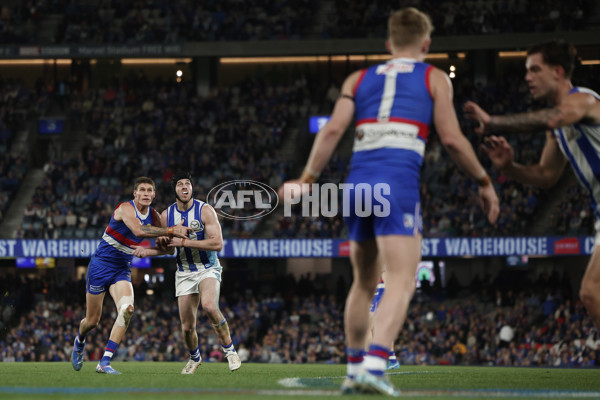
[403,203]
[377,297]
[100,276]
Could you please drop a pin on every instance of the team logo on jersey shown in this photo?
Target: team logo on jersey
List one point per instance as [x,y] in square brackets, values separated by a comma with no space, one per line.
[398,68]
[196,225]
[360,134]
[243,199]
[408,220]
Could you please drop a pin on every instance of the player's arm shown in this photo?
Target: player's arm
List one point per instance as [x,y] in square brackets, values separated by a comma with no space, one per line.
[213,237]
[576,107]
[161,247]
[329,136]
[126,213]
[543,174]
[456,144]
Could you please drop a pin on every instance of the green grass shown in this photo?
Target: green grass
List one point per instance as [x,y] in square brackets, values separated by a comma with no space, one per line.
[154,380]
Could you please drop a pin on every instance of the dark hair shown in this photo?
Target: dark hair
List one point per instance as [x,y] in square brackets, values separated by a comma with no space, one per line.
[143,179]
[179,175]
[557,53]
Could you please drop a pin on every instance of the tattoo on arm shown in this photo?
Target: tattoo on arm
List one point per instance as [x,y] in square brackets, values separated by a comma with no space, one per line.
[547,118]
[154,230]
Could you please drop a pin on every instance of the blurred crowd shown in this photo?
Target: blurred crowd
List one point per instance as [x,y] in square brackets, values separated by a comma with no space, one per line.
[464,17]
[153,21]
[137,126]
[155,128]
[483,325]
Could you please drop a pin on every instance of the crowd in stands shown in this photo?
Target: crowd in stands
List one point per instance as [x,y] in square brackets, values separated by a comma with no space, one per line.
[154,21]
[490,325]
[20,22]
[154,128]
[16,102]
[465,17]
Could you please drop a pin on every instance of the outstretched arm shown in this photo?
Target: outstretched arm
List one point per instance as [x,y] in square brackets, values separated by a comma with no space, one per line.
[329,136]
[574,108]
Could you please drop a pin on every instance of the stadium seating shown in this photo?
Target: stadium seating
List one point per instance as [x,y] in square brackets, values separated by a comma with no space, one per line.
[306,326]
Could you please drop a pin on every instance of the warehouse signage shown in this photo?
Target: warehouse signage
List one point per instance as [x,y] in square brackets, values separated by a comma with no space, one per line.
[283,248]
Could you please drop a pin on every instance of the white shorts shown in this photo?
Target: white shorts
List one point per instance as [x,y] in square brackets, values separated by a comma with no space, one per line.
[186,282]
[597,233]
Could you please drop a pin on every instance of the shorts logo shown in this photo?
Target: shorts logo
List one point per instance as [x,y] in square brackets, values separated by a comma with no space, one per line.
[408,220]
[195,225]
[96,289]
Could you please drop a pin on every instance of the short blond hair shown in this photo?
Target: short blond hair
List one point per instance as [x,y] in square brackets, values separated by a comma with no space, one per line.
[408,26]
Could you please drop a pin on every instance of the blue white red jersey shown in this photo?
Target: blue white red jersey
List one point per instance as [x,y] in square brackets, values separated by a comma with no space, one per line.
[116,245]
[394,110]
[192,259]
[580,143]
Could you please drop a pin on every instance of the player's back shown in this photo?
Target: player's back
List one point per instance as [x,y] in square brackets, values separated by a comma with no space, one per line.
[394,111]
[191,259]
[116,245]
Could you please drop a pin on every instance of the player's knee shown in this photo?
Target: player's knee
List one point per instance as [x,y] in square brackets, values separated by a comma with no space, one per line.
[188,332]
[125,309]
[211,309]
[92,321]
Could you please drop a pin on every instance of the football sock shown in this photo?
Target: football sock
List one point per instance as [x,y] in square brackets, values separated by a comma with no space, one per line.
[376,360]
[79,344]
[195,354]
[111,349]
[229,348]
[391,355]
[355,359]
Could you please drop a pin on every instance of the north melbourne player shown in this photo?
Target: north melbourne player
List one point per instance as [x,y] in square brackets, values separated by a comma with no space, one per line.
[198,276]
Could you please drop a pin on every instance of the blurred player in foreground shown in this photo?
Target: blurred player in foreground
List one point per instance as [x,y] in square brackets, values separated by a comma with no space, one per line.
[109,268]
[395,104]
[198,276]
[572,125]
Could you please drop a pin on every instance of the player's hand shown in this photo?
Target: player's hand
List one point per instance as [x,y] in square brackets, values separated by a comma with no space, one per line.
[162,243]
[499,151]
[175,242]
[179,231]
[292,189]
[489,202]
[140,251]
[476,113]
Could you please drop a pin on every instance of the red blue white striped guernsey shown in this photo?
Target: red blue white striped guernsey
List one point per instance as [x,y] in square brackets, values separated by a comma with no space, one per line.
[394,110]
[117,241]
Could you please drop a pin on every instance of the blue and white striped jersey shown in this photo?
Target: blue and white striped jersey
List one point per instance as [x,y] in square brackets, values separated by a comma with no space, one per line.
[192,259]
[580,143]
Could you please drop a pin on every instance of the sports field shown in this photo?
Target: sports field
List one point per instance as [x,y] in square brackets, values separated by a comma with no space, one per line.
[155,380]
